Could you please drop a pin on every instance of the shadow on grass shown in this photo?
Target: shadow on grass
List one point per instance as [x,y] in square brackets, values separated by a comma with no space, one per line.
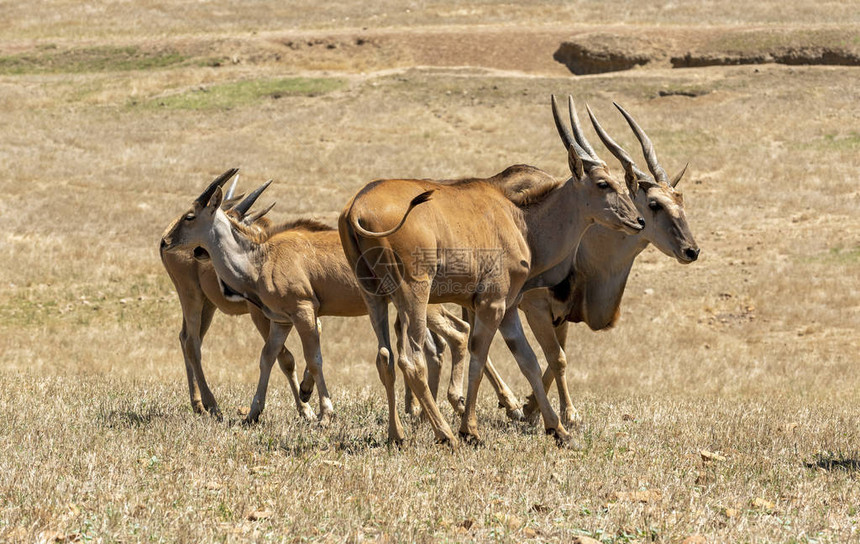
[303,443]
[132,418]
[502,423]
[831,462]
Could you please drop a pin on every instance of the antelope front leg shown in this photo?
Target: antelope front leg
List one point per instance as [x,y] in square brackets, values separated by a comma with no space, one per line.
[305,321]
[274,343]
[285,360]
[193,388]
[460,336]
[569,415]
[288,366]
[195,322]
[548,336]
[512,331]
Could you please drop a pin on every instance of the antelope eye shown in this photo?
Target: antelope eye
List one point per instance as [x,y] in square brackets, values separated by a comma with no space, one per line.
[654,205]
[189,217]
[602,185]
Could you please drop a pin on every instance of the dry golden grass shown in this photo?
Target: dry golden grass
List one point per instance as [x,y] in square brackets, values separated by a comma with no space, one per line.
[67,19]
[751,353]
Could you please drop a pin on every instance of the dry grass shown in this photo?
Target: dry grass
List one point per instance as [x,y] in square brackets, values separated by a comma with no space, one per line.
[750,353]
[68,19]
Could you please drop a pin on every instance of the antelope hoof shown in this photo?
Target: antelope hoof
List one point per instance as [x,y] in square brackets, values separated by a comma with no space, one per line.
[452,443]
[325,419]
[215,413]
[396,437]
[571,419]
[461,406]
[531,406]
[306,412]
[472,439]
[197,406]
[251,419]
[563,439]
[516,414]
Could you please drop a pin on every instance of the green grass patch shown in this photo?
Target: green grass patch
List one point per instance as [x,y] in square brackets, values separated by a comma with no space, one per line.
[843,255]
[841,142]
[245,93]
[89,59]
[835,256]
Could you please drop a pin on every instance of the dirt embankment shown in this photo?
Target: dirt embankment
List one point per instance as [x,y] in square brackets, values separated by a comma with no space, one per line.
[600,51]
[523,49]
[581,49]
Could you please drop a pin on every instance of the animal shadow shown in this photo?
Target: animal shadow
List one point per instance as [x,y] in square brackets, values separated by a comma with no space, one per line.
[831,462]
[300,444]
[131,418]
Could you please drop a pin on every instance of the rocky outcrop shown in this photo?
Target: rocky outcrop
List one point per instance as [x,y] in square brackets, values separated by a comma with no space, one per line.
[598,53]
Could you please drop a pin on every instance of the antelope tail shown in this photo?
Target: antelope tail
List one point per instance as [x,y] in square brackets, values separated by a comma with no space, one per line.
[420,199]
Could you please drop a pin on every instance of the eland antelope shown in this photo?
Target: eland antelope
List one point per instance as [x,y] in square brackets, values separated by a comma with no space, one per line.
[514,229]
[592,291]
[200,294]
[292,275]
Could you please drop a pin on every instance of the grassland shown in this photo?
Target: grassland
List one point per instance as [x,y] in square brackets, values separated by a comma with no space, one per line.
[750,354]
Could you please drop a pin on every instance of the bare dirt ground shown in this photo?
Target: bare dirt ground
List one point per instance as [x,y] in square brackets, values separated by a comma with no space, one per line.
[722,407]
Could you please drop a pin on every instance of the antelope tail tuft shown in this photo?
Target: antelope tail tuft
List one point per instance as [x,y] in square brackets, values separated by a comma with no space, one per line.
[420,199]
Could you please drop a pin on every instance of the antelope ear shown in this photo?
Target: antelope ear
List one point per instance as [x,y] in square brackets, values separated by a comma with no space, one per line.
[575,163]
[674,181]
[632,182]
[215,201]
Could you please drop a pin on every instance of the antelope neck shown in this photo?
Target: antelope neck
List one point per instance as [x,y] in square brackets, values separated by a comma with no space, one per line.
[231,252]
[555,229]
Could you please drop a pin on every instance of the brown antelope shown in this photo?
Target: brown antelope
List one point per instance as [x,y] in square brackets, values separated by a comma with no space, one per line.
[200,294]
[514,228]
[592,291]
[292,275]
[598,272]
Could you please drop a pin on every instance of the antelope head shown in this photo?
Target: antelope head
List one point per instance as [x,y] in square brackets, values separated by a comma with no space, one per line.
[656,198]
[237,208]
[607,197]
[191,228]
